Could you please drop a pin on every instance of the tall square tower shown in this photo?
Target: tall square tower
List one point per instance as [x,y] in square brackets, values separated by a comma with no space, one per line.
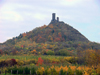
[53,16]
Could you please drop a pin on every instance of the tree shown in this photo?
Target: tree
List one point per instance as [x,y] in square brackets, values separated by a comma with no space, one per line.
[33,51]
[1,52]
[50,52]
[24,34]
[40,61]
[92,57]
[62,52]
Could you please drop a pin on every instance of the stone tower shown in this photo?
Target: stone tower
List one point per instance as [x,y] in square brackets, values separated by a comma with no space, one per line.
[57,19]
[53,17]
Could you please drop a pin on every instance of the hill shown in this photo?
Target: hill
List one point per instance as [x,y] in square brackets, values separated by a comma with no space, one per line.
[55,36]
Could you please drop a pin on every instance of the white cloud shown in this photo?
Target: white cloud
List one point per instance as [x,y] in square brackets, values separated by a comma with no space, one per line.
[11,16]
[70,2]
[7,13]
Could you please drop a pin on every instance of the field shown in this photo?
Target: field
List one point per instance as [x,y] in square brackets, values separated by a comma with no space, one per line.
[50,65]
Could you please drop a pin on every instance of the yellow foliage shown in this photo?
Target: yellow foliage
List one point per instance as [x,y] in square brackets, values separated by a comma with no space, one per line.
[4,69]
[68,58]
[87,68]
[40,71]
[49,71]
[19,62]
[34,51]
[98,69]
[58,69]
[80,68]
[52,67]
[65,68]
[51,26]
[85,73]
[73,68]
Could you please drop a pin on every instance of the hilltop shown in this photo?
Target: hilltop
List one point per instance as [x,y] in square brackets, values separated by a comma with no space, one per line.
[55,36]
[56,31]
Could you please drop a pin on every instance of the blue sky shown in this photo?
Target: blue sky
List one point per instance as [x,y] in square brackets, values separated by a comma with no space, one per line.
[19,16]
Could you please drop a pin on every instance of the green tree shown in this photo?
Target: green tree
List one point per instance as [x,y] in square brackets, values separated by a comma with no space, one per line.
[62,52]
[50,52]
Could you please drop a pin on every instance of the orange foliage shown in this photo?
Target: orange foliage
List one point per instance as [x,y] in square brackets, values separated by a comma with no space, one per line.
[57,39]
[92,57]
[59,34]
[51,26]
[24,34]
[34,51]
[22,46]
[1,52]
[43,26]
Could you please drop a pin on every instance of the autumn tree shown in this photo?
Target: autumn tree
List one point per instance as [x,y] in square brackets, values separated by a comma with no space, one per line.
[24,34]
[92,57]
[63,52]
[1,52]
[50,52]
[14,52]
[40,61]
[34,51]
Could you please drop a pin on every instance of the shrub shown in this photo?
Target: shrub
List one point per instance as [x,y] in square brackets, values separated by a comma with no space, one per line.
[40,71]
[13,62]
[27,70]
[20,62]
[14,70]
[33,70]
[62,52]
[78,72]
[50,52]
[63,72]
[53,72]
[47,71]
[20,70]
[70,72]
[73,60]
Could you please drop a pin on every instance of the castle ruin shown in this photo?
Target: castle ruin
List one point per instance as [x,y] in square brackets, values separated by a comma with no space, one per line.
[53,18]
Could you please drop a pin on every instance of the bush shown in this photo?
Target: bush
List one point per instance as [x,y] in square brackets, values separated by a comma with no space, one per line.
[70,72]
[40,71]
[62,52]
[53,71]
[62,72]
[81,61]
[27,70]
[50,52]
[33,70]
[73,60]
[20,70]
[14,70]
[78,72]
[47,71]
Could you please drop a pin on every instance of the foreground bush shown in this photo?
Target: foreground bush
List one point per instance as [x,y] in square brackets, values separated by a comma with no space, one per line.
[55,70]
[22,70]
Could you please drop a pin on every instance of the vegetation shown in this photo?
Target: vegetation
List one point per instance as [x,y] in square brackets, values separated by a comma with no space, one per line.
[47,64]
[53,49]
